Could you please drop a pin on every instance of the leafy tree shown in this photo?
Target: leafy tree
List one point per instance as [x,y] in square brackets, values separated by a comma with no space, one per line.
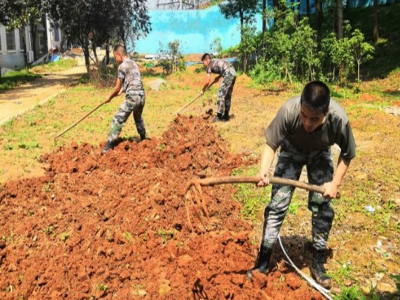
[171,58]
[216,46]
[245,10]
[93,22]
[305,55]
[247,47]
[362,50]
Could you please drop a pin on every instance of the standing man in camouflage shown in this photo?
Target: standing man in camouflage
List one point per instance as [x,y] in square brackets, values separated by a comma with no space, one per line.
[129,77]
[305,128]
[227,71]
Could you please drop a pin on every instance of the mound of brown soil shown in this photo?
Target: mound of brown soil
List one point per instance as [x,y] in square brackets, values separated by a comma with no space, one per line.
[115,226]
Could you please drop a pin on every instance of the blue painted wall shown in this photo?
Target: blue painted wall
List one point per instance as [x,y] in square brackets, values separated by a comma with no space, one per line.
[196,29]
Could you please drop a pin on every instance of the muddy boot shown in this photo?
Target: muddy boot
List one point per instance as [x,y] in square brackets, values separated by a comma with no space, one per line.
[318,270]
[262,262]
[107,147]
[217,118]
[226,117]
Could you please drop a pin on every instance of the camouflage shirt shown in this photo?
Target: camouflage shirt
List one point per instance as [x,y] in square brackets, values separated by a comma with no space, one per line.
[129,72]
[336,130]
[218,66]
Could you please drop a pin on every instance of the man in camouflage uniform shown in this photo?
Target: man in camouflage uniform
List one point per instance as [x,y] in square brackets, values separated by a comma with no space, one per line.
[227,71]
[129,77]
[305,128]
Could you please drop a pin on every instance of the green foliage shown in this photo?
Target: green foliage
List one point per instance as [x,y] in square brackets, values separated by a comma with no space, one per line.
[291,51]
[252,198]
[62,64]
[216,47]
[248,46]
[397,280]
[362,50]
[171,58]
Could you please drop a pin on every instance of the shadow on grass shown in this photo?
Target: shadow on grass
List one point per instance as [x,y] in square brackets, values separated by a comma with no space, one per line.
[12,80]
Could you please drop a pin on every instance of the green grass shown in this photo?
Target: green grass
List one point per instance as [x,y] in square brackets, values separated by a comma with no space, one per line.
[61,65]
[15,78]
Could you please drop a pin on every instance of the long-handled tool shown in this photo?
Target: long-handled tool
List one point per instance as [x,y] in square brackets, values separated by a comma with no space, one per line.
[80,120]
[198,193]
[191,101]
[187,104]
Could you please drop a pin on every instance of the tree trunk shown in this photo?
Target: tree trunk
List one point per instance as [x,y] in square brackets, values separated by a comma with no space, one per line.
[107,52]
[95,53]
[339,7]
[275,3]
[264,21]
[308,9]
[85,49]
[375,33]
[242,36]
[319,18]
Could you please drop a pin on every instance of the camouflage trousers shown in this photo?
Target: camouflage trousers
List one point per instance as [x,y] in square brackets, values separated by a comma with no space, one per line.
[319,170]
[134,103]
[225,91]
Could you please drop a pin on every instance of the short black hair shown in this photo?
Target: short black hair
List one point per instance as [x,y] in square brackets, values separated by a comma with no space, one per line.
[205,56]
[120,47]
[316,96]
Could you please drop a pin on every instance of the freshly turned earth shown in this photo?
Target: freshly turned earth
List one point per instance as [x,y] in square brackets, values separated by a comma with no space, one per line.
[115,226]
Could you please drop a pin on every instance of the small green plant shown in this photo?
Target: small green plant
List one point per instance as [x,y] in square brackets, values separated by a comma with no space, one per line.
[103,287]
[8,146]
[28,145]
[350,293]
[128,236]
[396,278]
[49,230]
[64,236]
[165,234]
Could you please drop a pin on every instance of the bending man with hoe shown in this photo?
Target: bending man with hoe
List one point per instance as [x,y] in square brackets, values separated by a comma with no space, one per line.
[129,76]
[225,70]
[305,128]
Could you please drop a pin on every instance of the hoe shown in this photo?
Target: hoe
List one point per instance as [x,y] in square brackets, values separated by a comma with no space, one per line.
[194,193]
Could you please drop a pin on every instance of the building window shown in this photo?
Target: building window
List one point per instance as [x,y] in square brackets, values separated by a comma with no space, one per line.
[21,39]
[56,32]
[10,37]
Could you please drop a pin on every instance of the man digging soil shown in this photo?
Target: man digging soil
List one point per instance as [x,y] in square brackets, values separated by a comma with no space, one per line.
[304,129]
[227,71]
[129,76]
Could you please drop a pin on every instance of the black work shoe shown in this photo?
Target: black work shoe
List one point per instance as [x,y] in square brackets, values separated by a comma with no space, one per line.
[262,262]
[217,118]
[318,270]
[226,117]
[107,147]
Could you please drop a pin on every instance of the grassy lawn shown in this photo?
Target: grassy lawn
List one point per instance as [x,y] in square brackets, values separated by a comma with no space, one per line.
[18,77]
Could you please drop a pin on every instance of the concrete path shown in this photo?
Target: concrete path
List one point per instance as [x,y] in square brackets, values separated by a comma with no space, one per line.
[17,101]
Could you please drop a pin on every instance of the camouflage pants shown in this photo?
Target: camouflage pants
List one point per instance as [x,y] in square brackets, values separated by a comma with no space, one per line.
[134,103]
[319,170]
[225,92]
